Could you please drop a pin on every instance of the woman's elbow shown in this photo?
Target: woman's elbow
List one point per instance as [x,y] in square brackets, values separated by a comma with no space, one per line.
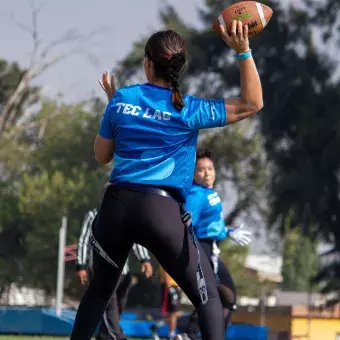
[255,108]
[102,159]
[103,150]
[258,106]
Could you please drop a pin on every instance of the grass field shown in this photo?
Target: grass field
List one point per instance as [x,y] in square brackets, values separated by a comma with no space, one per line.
[22,337]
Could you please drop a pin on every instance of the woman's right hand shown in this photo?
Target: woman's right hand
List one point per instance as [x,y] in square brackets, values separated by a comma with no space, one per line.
[238,37]
[82,274]
[108,84]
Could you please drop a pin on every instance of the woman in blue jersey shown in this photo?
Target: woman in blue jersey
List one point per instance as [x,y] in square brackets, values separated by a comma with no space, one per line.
[150,131]
[205,206]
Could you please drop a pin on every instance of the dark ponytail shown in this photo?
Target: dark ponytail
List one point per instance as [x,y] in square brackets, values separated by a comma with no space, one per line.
[167,51]
[176,64]
[177,99]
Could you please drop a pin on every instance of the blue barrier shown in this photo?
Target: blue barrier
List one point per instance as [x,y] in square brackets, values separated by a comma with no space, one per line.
[44,321]
[23,320]
[129,316]
[247,332]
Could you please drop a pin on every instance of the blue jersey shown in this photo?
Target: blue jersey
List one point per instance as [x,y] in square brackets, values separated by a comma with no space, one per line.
[154,143]
[205,206]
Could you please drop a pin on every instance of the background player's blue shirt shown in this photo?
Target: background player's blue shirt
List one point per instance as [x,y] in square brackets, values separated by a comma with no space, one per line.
[205,206]
[154,143]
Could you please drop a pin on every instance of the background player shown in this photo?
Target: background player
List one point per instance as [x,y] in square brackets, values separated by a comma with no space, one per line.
[205,206]
[171,301]
[109,325]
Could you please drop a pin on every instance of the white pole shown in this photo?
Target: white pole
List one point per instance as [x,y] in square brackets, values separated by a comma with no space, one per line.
[61,265]
[263,305]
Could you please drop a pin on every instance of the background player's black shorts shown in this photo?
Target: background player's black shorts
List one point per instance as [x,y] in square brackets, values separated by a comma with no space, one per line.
[171,299]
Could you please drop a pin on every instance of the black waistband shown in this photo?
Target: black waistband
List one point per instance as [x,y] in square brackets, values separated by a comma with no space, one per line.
[144,188]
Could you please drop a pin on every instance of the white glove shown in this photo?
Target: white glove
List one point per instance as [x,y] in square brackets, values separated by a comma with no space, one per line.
[239,236]
[215,249]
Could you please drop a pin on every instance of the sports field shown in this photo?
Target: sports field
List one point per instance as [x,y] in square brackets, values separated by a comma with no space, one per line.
[22,337]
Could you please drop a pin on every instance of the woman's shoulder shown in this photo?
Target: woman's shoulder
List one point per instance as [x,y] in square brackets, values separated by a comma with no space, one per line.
[125,93]
[128,88]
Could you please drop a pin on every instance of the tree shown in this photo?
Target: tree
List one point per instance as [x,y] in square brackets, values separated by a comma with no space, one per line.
[234,257]
[300,260]
[12,239]
[325,16]
[328,277]
[58,176]
[10,77]
[241,168]
[41,60]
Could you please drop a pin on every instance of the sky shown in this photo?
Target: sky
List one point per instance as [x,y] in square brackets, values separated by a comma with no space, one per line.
[76,77]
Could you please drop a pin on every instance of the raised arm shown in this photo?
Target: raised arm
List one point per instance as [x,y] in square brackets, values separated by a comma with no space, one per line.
[104,143]
[251,100]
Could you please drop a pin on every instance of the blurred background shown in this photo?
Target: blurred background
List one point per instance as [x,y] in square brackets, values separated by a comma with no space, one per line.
[278,173]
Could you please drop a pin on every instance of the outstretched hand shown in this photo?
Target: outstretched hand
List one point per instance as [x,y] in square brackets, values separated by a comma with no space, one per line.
[108,84]
[239,235]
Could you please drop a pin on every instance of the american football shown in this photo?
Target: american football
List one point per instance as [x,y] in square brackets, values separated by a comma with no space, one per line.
[252,13]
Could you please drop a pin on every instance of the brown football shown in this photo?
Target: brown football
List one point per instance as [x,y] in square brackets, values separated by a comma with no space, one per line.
[252,13]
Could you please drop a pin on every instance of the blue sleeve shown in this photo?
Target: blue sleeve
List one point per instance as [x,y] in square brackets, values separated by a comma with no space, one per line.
[107,125]
[204,113]
[194,205]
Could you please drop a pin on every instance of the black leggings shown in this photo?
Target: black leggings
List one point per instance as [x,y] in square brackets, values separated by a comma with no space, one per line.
[109,325]
[153,221]
[226,289]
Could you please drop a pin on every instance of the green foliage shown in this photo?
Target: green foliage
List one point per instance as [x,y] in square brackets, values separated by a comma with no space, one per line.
[324,15]
[247,283]
[300,259]
[50,172]
[328,277]
[10,77]
[241,165]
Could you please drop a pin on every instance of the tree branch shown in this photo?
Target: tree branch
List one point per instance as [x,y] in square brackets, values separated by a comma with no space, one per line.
[40,64]
[9,110]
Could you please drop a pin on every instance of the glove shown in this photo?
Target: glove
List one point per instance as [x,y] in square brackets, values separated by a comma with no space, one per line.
[239,236]
[215,249]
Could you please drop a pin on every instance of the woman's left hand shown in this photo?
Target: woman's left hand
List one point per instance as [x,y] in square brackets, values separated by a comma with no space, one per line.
[108,84]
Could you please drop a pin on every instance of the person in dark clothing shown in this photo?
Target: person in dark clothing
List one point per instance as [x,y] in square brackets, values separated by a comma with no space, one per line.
[109,325]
